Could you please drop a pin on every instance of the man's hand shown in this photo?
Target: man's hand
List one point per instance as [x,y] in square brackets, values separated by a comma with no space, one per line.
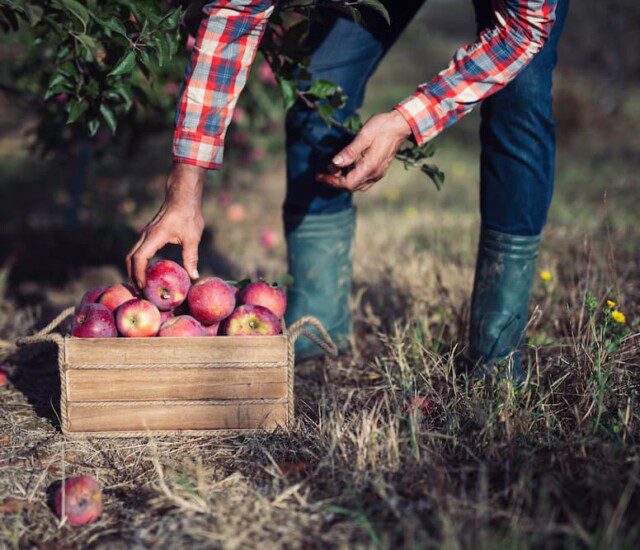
[372,149]
[179,221]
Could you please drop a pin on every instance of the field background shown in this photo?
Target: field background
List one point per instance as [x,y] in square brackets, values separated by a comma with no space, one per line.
[554,463]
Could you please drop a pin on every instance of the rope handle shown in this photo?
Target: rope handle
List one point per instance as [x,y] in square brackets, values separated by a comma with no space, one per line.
[325,343]
[45,334]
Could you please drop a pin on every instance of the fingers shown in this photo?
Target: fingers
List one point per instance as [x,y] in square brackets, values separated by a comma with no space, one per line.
[153,242]
[352,152]
[190,257]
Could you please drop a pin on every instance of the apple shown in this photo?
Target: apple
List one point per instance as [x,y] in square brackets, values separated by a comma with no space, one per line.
[211,300]
[263,294]
[165,316]
[116,295]
[183,325]
[167,284]
[92,296]
[138,318]
[212,330]
[79,499]
[4,378]
[252,320]
[93,321]
[421,403]
[269,238]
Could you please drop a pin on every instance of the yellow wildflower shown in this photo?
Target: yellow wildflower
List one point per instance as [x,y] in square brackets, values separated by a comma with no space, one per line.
[618,317]
[411,212]
[611,304]
[546,276]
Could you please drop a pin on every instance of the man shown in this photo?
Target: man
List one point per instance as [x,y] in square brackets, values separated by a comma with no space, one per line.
[509,66]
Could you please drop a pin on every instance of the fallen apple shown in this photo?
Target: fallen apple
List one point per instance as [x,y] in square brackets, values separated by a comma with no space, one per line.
[79,499]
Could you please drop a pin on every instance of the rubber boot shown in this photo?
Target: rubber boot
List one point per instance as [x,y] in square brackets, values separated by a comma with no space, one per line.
[320,256]
[499,307]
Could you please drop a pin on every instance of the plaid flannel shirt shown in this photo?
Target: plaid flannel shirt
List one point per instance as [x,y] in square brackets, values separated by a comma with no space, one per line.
[231,31]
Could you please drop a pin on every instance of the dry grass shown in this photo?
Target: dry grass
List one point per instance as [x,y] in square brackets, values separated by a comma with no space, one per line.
[552,463]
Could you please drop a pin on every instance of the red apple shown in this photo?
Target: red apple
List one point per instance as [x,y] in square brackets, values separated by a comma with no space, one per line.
[116,295]
[420,403]
[167,284]
[269,238]
[93,321]
[212,330]
[183,325]
[260,293]
[3,375]
[211,300]
[138,318]
[165,316]
[252,320]
[92,296]
[81,499]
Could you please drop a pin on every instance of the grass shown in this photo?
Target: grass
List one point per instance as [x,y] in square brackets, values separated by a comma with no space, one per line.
[555,462]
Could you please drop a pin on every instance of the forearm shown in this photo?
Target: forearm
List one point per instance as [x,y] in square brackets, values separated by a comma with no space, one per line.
[217,72]
[481,69]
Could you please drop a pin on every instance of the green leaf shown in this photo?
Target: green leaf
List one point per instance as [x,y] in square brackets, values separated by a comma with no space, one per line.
[93,126]
[377,6]
[170,21]
[285,280]
[76,110]
[113,24]
[289,92]
[125,65]
[109,117]
[77,9]
[89,43]
[322,88]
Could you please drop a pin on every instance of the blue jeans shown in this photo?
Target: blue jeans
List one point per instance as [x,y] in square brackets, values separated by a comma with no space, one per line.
[517,129]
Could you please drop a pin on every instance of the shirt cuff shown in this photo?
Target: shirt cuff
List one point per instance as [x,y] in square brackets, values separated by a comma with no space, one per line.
[197,149]
[421,113]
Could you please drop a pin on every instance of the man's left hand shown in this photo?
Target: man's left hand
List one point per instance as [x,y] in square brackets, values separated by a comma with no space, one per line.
[371,151]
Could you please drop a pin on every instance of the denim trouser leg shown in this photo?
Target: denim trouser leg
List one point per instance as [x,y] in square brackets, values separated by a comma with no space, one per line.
[346,54]
[519,141]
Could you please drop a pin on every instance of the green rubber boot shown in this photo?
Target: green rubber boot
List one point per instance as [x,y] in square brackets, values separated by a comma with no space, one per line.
[320,256]
[499,307]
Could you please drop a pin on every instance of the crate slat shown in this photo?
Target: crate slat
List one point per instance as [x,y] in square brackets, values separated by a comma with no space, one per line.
[161,382]
[135,417]
[137,351]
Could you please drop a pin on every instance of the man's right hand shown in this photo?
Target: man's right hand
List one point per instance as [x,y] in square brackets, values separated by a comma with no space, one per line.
[179,221]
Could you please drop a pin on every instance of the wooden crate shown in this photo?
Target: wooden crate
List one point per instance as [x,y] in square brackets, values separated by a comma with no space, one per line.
[124,387]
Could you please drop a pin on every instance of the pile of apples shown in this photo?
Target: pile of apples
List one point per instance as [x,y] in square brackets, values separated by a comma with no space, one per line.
[171,306]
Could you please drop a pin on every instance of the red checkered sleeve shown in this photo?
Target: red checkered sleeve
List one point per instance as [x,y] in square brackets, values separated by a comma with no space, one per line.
[224,50]
[478,70]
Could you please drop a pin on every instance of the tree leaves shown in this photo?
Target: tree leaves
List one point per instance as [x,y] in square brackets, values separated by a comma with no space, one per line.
[125,65]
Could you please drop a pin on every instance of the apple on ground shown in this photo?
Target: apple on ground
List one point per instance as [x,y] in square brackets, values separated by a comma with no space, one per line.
[422,403]
[263,294]
[138,318]
[4,378]
[92,296]
[79,499]
[252,320]
[93,321]
[211,300]
[183,325]
[167,285]
[116,295]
